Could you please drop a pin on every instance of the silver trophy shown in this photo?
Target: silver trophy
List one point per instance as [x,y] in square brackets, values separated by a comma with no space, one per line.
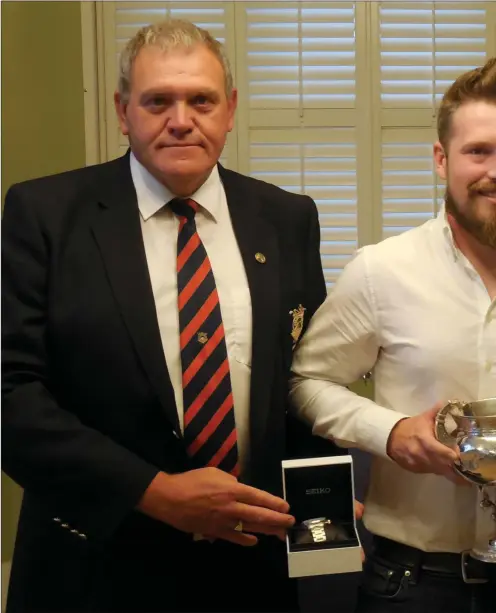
[471,426]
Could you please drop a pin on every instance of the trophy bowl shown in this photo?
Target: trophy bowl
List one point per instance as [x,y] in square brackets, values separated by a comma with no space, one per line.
[473,431]
[471,428]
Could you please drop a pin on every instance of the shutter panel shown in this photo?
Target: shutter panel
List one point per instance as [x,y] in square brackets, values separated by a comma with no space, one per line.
[300,71]
[423,47]
[321,164]
[411,192]
[130,16]
[301,54]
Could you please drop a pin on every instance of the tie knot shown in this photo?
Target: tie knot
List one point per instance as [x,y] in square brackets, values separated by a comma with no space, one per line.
[184,208]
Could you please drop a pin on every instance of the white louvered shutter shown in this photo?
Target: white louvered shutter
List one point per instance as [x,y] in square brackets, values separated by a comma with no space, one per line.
[423,47]
[297,63]
[123,19]
[411,192]
[300,55]
[320,163]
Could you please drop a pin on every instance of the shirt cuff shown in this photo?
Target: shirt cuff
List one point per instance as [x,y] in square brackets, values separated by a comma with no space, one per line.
[375,429]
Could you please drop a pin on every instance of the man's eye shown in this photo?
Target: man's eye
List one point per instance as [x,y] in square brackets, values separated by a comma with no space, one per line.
[157,101]
[479,151]
[201,100]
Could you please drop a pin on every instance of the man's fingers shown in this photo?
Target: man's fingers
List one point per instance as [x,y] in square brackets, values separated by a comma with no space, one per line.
[439,452]
[260,512]
[257,528]
[446,458]
[259,515]
[253,496]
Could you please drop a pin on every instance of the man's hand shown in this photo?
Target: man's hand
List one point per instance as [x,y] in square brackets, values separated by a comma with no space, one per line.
[413,445]
[211,502]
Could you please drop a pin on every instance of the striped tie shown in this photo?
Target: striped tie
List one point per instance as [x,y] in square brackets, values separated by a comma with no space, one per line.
[209,425]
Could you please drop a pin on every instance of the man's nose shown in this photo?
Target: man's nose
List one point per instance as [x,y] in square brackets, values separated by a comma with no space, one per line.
[180,120]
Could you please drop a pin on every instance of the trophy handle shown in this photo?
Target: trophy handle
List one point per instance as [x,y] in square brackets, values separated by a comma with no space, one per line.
[442,435]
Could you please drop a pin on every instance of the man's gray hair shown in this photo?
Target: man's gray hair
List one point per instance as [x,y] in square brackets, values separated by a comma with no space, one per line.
[168,35]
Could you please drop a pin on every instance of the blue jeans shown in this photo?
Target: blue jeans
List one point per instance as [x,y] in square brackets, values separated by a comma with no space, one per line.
[391,587]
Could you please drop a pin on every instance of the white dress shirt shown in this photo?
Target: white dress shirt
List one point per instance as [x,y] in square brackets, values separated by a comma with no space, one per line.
[414,310]
[213,222]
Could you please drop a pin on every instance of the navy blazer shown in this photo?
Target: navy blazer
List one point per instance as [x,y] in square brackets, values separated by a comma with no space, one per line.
[89,415]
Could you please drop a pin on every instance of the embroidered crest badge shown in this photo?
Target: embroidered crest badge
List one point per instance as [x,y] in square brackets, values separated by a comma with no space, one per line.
[298,317]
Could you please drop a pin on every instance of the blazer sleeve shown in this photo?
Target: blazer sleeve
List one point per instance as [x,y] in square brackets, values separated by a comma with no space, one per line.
[75,472]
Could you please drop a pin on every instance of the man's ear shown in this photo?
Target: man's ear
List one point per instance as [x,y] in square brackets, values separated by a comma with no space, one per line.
[440,161]
[232,103]
[120,109]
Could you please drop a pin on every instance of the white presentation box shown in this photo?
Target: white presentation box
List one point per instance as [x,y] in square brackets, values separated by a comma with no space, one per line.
[321,488]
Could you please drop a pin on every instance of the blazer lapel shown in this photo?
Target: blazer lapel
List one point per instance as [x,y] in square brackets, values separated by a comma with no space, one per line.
[118,233]
[259,249]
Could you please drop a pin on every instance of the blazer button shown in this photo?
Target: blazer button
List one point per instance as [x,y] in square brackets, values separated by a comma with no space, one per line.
[56,519]
[83,536]
[74,531]
[65,525]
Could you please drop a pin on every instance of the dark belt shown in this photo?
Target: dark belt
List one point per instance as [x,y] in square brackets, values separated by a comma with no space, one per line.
[446,563]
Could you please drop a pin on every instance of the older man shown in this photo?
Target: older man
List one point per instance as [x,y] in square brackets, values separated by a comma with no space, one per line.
[149,317]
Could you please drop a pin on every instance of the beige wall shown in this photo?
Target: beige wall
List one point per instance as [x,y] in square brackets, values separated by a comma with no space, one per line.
[42,122]
[42,89]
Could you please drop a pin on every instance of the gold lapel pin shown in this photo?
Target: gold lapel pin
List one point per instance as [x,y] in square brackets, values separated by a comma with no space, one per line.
[261,259]
[202,337]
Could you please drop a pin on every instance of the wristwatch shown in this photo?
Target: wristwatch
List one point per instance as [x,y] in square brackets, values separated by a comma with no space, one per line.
[316,527]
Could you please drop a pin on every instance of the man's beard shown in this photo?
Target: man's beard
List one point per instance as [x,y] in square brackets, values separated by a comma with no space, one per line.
[469,217]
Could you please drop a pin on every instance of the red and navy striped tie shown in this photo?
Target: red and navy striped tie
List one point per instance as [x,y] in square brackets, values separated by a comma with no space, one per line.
[209,425]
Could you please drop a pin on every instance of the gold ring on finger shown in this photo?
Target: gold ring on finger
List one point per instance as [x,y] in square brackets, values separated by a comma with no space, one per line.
[239,526]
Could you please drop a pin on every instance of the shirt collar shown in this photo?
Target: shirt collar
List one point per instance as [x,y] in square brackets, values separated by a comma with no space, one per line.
[442,220]
[153,196]
[451,246]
